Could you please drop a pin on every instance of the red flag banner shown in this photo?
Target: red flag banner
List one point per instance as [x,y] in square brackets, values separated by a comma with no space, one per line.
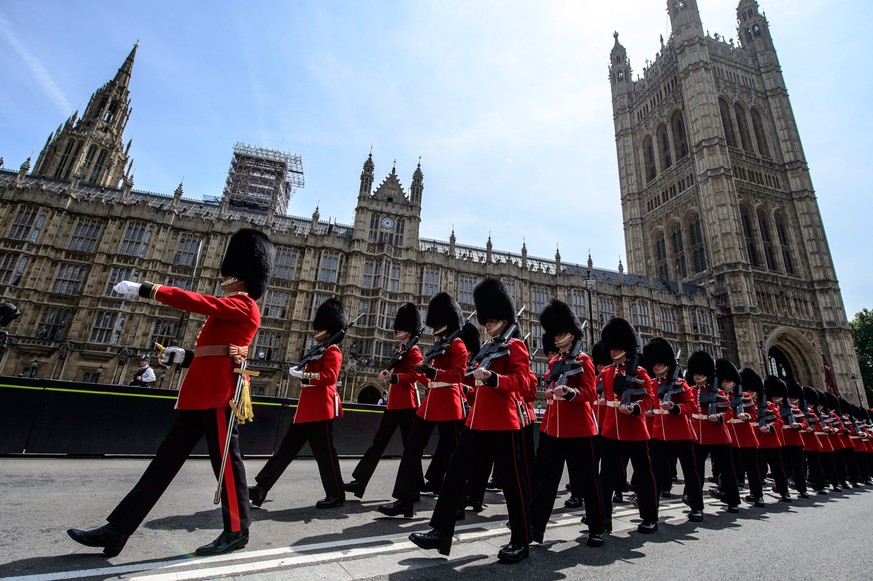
[830,381]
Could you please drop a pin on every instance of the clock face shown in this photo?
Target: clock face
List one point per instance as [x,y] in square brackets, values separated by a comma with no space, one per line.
[387,222]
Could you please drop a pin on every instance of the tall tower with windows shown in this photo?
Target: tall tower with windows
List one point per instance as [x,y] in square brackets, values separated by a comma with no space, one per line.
[91,147]
[715,190]
[389,215]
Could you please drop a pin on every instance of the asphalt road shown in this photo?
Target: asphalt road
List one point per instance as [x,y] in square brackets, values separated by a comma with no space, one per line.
[41,497]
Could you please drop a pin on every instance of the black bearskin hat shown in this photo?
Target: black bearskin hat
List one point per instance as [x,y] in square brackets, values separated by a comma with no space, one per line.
[408,319]
[751,381]
[330,317]
[8,313]
[844,406]
[658,350]
[493,302]
[699,363]
[619,334]
[249,257]
[833,404]
[443,311]
[559,318]
[471,339]
[775,387]
[549,344]
[795,390]
[599,356]
[811,396]
[727,371]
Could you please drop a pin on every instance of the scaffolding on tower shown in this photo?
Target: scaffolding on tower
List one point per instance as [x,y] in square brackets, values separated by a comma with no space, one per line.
[262,179]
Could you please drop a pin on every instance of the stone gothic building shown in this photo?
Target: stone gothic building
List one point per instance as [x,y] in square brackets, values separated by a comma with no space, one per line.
[75,226]
[716,191]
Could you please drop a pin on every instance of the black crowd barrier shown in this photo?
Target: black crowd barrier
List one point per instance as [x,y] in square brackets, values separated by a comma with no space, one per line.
[86,419]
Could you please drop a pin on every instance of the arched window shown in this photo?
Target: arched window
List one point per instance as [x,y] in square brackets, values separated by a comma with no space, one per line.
[649,155]
[784,243]
[767,239]
[678,247]
[743,125]
[680,141]
[661,255]
[698,253]
[749,235]
[760,134]
[664,147]
[727,122]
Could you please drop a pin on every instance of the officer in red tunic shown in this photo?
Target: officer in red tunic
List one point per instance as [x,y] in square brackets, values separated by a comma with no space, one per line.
[443,406]
[628,392]
[709,424]
[203,410]
[403,398]
[770,433]
[319,405]
[744,434]
[494,423]
[568,428]
[671,433]
[826,437]
[812,445]
[792,437]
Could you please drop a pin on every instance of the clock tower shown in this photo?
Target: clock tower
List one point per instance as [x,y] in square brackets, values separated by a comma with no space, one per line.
[388,216]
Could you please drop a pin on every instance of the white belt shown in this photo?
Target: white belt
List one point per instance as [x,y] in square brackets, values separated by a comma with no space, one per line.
[660,412]
[735,421]
[439,384]
[614,403]
[821,433]
[700,416]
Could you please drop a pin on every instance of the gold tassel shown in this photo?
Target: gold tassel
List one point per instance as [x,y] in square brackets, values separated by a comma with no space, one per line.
[243,411]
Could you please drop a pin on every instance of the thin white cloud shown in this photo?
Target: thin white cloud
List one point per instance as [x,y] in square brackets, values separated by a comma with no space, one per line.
[39,72]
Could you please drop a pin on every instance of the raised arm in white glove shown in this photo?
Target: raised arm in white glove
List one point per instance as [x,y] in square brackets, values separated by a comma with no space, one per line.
[127,287]
[172,355]
[294,372]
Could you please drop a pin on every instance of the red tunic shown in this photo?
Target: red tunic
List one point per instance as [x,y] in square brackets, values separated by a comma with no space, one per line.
[319,399]
[618,425]
[574,418]
[744,433]
[772,439]
[669,426]
[839,438]
[402,392]
[711,433]
[444,398]
[210,382]
[793,436]
[500,408]
[811,440]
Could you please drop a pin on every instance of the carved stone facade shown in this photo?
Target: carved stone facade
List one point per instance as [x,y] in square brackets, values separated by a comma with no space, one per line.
[715,190]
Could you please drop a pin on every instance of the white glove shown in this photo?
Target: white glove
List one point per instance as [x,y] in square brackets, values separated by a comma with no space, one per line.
[172,354]
[294,372]
[127,287]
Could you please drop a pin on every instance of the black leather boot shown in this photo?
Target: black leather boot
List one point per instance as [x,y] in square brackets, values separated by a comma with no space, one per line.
[647,527]
[225,543]
[395,508]
[110,539]
[257,495]
[356,487]
[512,553]
[330,502]
[433,540]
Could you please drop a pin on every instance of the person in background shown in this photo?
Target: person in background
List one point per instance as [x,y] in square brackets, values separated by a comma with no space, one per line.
[145,375]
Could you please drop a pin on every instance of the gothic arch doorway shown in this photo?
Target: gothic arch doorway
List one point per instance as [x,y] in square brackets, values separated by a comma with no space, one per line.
[790,355]
[369,395]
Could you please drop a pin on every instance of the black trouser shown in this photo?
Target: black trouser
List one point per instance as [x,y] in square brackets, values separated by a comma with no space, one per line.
[320,437]
[828,466]
[478,481]
[792,462]
[186,431]
[851,465]
[813,463]
[505,447]
[721,457]
[664,456]
[772,457]
[391,420]
[614,455]
[746,462]
[578,454]
[406,485]
[863,467]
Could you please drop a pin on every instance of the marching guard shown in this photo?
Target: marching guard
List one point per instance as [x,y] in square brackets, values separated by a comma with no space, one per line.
[319,405]
[403,398]
[203,402]
[494,427]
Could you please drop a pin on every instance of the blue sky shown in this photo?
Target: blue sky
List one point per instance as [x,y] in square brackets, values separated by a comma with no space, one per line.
[507,103]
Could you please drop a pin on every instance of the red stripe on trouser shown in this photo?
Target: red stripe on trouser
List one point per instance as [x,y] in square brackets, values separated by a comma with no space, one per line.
[334,462]
[228,478]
